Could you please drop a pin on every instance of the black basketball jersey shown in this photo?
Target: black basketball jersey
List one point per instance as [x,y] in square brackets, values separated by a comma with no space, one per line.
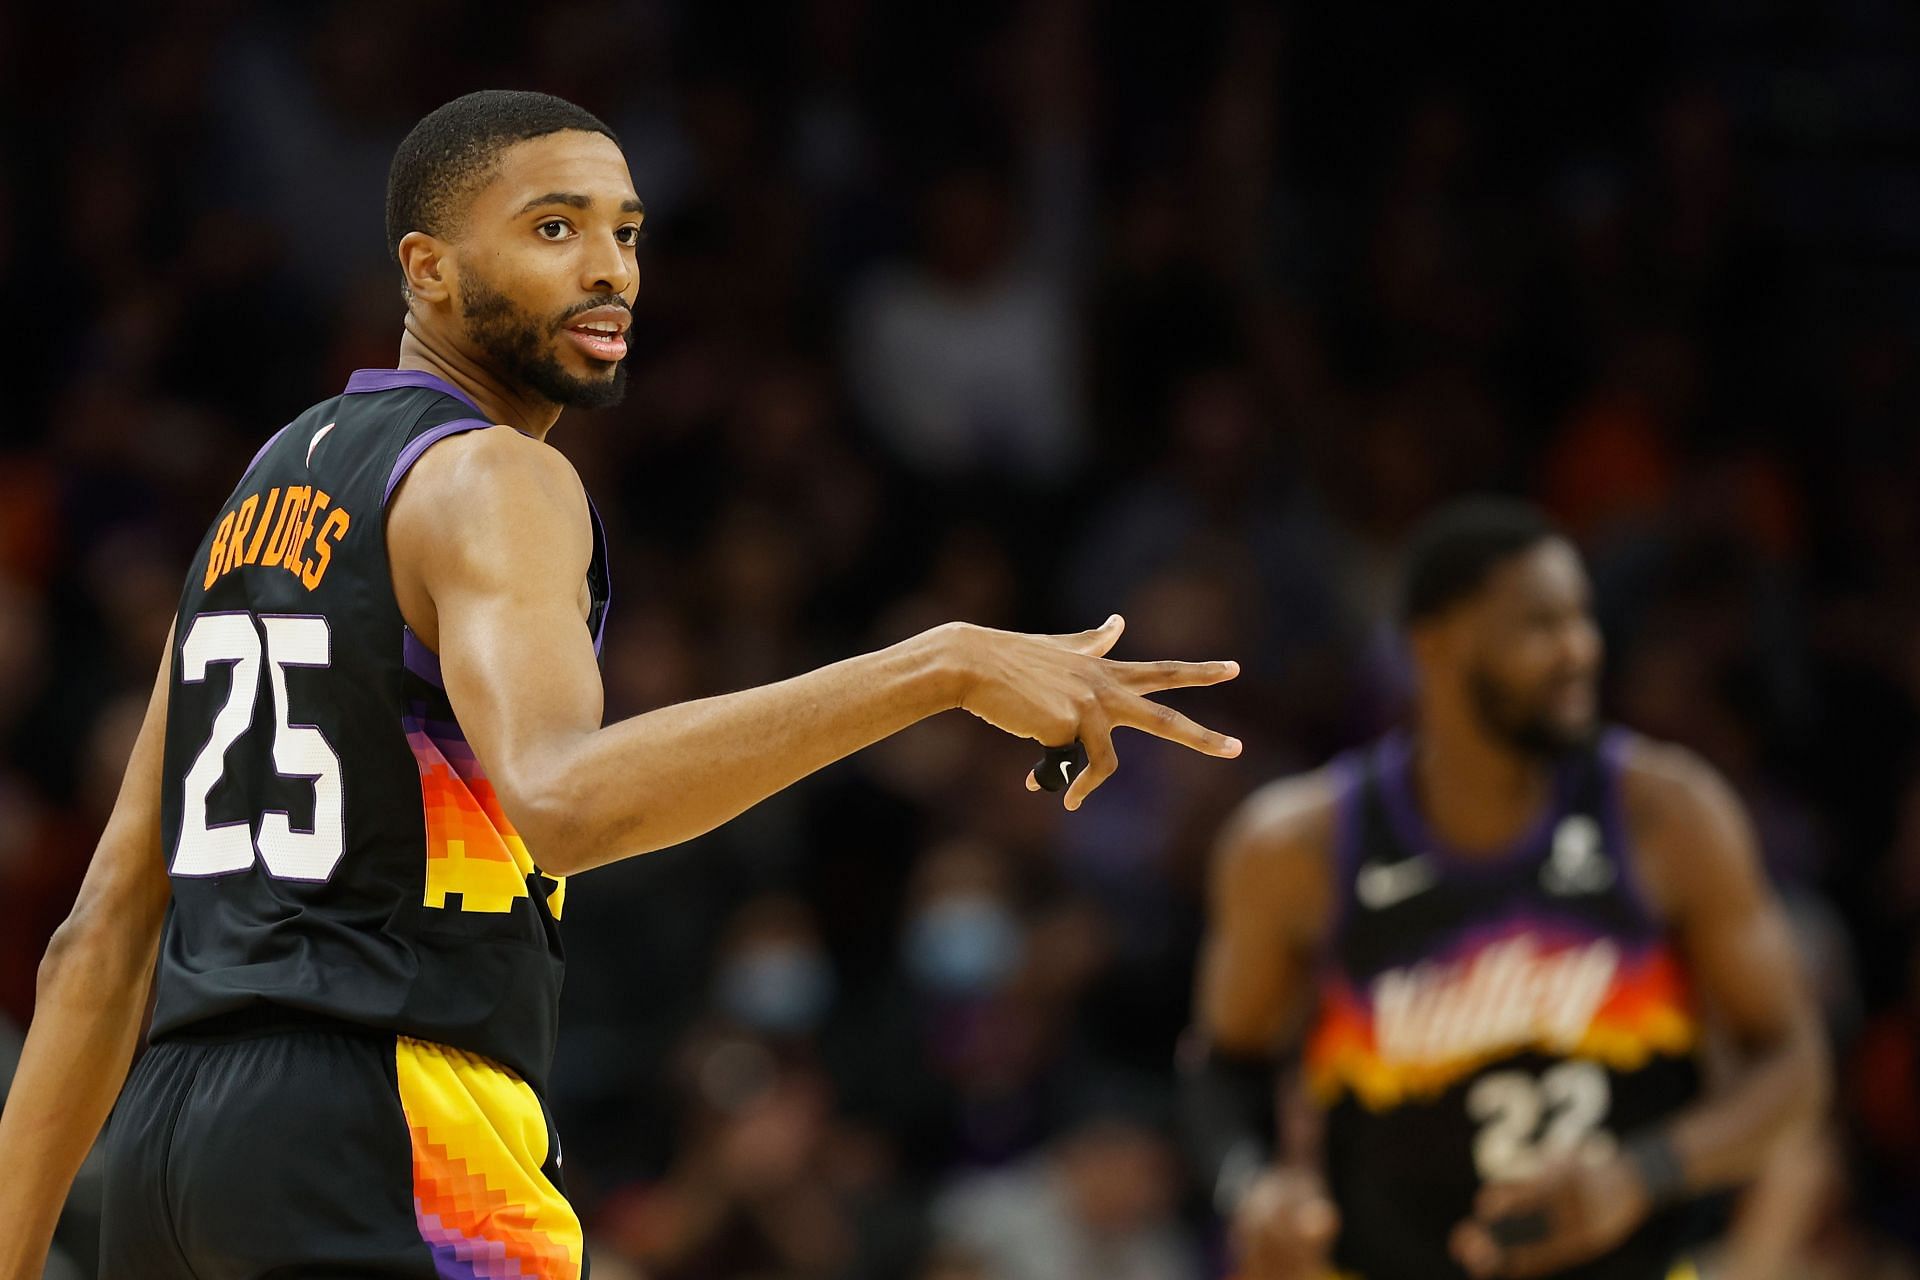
[1481,1015]
[335,848]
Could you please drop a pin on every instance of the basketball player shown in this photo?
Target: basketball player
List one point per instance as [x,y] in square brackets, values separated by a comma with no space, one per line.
[1495,940]
[374,754]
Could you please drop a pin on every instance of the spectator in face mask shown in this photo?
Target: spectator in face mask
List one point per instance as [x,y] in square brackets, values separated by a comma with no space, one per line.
[773,976]
[962,940]
[948,1050]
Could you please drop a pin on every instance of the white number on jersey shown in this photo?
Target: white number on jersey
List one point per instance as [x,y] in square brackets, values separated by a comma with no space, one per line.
[299,751]
[1527,1122]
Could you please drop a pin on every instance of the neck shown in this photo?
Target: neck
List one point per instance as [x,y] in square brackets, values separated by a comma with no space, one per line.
[498,401]
[1478,793]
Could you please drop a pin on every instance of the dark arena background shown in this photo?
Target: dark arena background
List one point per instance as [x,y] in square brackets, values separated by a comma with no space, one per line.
[1024,314]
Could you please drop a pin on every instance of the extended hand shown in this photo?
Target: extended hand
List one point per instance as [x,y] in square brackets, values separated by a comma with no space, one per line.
[1586,1207]
[1283,1228]
[1055,689]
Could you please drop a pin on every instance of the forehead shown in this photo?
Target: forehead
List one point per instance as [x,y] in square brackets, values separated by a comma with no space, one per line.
[571,161]
[1551,572]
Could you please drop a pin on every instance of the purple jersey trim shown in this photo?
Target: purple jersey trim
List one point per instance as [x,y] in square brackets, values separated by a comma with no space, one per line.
[271,441]
[1396,786]
[1349,833]
[424,441]
[606,555]
[366,380]
[1614,746]
[419,659]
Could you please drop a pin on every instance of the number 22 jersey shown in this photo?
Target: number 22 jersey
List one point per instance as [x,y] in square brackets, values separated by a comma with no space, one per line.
[1480,1016]
[336,850]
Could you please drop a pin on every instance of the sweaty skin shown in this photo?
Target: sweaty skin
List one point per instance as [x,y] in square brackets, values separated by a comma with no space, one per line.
[488,544]
[1272,901]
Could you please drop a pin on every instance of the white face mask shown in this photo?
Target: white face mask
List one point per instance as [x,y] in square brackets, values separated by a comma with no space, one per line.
[963,945]
[779,988]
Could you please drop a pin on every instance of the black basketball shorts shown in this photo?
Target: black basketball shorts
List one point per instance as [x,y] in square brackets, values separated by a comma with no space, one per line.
[331,1151]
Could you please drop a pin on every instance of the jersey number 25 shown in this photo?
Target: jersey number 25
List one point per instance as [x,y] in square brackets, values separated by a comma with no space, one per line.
[299,750]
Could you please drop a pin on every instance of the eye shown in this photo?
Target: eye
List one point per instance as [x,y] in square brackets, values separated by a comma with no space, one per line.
[630,236]
[552,229]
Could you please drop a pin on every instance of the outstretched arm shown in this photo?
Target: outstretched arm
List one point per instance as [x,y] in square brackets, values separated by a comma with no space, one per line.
[489,539]
[92,995]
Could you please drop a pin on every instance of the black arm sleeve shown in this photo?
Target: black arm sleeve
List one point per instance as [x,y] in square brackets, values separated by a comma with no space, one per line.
[1227,1119]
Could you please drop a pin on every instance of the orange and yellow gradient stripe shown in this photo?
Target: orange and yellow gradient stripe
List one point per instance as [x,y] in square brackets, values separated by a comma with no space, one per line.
[1647,1011]
[479,1147]
[472,849]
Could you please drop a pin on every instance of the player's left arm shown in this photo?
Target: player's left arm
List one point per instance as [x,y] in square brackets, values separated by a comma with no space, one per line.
[1738,949]
[91,998]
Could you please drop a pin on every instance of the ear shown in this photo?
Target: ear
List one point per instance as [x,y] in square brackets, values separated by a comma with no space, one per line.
[426,266]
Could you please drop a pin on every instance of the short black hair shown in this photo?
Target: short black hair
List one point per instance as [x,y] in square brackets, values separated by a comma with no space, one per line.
[1453,551]
[454,149]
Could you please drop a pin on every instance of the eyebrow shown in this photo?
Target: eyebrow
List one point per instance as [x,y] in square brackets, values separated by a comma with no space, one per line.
[574,200]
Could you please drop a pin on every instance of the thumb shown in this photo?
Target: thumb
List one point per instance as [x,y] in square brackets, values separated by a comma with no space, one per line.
[1317,1221]
[1095,642]
[1099,641]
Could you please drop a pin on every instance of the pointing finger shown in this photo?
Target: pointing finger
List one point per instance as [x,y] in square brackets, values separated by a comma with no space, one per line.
[1163,721]
[1151,677]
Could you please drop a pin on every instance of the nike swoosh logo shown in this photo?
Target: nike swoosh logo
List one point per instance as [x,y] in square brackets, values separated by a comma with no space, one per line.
[315,441]
[1576,878]
[1066,771]
[1379,885]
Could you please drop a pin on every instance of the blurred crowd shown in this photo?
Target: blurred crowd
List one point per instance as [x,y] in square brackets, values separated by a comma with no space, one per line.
[1025,313]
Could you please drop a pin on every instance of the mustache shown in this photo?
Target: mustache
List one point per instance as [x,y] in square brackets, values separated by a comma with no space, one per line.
[594,304]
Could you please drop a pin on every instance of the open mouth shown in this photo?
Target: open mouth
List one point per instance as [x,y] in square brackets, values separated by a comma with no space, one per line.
[601,334]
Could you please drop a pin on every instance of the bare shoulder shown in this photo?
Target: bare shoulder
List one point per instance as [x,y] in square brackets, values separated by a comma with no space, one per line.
[1290,813]
[490,514]
[1665,785]
[492,497]
[1688,821]
[489,469]
[1276,851]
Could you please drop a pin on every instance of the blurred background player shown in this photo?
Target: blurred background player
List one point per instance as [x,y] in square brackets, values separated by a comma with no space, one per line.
[1497,943]
[377,748]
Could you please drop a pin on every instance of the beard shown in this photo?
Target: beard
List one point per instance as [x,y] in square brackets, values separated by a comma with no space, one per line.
[519,348]
[1528,729]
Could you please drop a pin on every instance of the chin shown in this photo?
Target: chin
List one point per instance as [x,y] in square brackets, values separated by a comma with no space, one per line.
[1549,737]
[601,387]
[1571,735]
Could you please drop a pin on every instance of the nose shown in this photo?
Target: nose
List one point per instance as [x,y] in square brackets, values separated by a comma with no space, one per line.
[608,266]
[1581,645]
